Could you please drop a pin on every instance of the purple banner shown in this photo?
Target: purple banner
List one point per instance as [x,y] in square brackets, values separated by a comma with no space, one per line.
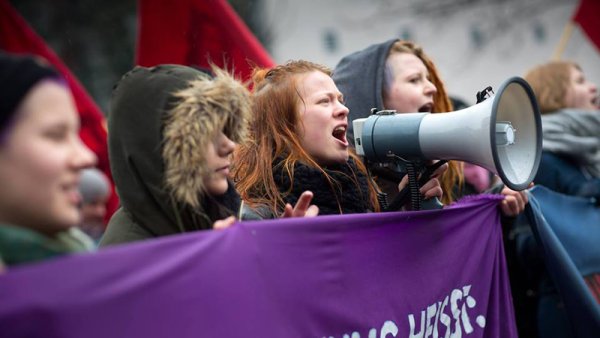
[412,274]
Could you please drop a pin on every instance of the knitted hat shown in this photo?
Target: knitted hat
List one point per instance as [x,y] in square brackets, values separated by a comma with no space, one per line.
[18,74]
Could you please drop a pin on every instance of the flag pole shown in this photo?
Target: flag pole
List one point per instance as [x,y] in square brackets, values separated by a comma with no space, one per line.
[564,40]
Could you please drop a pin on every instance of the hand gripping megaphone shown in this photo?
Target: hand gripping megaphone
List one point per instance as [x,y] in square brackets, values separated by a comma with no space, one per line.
[502,134]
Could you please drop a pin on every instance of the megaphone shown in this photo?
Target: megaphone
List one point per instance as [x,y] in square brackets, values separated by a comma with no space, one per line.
[502,134]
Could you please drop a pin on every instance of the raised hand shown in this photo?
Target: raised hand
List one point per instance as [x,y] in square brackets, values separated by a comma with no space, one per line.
[303,208]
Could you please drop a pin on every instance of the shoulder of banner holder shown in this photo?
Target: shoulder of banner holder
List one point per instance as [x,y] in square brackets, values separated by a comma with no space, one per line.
[582,309]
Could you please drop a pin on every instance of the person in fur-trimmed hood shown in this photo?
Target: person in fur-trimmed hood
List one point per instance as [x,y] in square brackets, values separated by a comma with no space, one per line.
[172,129]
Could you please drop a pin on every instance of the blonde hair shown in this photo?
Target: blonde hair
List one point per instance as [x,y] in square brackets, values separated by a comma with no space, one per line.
[550,83]
[274,134]
[453,177]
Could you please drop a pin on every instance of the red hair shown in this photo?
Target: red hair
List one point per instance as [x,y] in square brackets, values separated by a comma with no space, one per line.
[274,134]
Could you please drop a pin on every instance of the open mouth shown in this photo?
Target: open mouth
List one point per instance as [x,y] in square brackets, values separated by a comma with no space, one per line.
[426,108]
[340,134]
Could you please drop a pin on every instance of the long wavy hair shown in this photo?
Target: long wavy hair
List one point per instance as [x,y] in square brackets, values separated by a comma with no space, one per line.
[274,132]
[453,177]
[550,83]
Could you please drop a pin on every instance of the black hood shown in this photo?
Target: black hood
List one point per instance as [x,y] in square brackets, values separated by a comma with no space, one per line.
[160,121]
[359,76]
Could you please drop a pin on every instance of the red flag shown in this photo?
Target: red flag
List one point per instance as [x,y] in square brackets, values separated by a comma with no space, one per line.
[194,32]
[587,18]
[17,37]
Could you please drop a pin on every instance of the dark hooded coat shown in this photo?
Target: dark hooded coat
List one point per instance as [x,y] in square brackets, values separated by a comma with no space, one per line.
[161,121]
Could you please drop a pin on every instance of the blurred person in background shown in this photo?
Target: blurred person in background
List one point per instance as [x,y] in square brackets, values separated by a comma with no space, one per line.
[570,165]
[570,110]
[95,191]
[41,160]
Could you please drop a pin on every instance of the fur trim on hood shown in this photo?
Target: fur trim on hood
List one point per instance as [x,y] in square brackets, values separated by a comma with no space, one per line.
[161,122]
[204,109]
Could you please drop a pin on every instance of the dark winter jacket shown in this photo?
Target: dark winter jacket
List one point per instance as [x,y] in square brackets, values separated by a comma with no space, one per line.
[161,120]
[570,161]
[562,174]
[346,193]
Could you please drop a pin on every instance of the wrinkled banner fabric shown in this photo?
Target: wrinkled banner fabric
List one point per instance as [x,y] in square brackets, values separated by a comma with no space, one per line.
[567,229]
[408,274]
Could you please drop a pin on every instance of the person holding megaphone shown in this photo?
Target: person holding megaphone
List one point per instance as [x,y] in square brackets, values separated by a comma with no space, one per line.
[298,141]
[398,75]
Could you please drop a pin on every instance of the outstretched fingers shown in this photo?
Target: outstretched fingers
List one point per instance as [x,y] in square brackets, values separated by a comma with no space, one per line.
[303,208]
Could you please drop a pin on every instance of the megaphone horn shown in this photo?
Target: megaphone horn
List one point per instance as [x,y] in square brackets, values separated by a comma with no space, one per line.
[502,134]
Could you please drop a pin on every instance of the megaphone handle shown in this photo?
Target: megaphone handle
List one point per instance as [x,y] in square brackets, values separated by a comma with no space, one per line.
[402,198]
[411,191]
[432,203]
[430,170]
[414,186]
[404,194]
[399,200]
